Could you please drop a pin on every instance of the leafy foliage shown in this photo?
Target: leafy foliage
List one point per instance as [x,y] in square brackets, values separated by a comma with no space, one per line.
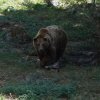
[75,20]
[40,89]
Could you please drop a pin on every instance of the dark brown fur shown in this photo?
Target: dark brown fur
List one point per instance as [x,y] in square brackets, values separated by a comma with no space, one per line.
[50,43]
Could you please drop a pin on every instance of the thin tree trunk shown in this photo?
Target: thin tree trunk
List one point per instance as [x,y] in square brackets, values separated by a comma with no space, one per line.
[49,3]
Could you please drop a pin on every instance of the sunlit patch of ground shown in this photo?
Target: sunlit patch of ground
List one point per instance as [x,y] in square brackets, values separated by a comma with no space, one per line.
[7,97]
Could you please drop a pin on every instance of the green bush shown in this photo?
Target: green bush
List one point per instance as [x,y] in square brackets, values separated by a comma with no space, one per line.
[3,1]
[39,89]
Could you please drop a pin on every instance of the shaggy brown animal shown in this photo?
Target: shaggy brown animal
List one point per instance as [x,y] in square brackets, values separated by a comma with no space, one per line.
[50,43]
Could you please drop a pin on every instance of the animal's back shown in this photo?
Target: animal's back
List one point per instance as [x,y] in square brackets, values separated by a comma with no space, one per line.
[59,39]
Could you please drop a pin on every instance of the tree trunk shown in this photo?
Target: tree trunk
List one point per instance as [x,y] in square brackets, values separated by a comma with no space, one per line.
[93,1]
[49,3]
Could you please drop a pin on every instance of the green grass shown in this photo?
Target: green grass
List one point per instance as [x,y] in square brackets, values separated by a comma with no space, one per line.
[40,89]
[2,97]
[72,82]
[78,26]
[26,82]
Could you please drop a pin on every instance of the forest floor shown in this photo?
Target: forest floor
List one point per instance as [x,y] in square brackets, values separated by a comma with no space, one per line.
[18,75]
[16,70]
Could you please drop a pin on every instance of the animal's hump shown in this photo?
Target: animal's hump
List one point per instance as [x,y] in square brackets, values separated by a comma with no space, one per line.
[53,27]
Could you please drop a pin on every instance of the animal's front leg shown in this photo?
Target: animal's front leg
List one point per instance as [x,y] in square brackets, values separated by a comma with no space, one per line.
[43,61]
[54,66]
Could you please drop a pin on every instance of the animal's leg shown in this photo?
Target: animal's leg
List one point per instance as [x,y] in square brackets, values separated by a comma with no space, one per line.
[53,66]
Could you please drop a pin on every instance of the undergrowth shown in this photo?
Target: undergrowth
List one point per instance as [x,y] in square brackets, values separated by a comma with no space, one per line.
[40,90]
[75,20]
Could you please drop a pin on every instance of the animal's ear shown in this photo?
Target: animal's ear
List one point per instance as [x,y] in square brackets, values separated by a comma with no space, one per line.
[43,30]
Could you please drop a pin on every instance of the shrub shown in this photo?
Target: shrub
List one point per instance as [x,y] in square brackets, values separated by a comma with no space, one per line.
[39,89]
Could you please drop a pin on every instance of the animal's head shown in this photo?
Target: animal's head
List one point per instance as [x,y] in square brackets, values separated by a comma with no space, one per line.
[42,41]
